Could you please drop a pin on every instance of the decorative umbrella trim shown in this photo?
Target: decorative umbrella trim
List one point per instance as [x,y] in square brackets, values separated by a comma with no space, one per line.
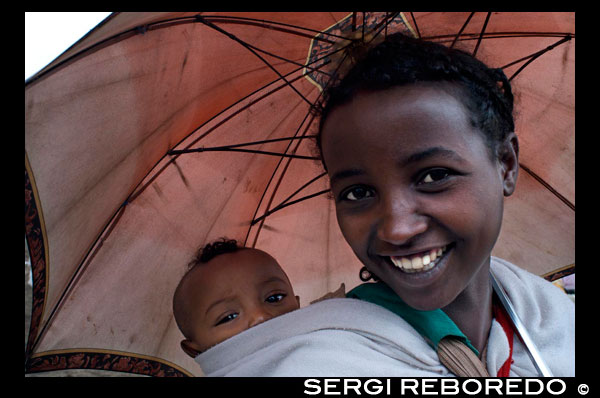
[35,232]
[118,361]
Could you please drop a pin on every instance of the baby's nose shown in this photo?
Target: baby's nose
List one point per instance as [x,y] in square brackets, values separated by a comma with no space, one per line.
[258,316]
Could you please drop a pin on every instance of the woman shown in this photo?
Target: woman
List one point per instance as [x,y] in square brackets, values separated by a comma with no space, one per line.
[419,144]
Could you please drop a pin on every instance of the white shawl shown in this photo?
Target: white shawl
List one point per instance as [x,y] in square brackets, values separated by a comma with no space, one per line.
[353,338]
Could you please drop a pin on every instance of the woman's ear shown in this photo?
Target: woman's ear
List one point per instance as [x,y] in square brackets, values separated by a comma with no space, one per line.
[508,158]
[189,348]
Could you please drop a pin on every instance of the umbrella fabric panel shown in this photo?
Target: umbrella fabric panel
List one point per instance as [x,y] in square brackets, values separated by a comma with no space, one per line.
[544,111]
[525,238]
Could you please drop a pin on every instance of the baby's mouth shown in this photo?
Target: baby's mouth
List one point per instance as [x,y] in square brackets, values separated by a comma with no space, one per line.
[420,262]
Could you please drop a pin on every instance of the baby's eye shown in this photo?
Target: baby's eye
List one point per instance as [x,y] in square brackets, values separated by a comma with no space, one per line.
[356,193]
[227,318]
[434,176]
[275,298]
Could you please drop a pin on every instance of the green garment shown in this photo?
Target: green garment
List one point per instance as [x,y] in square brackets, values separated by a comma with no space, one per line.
[432,325]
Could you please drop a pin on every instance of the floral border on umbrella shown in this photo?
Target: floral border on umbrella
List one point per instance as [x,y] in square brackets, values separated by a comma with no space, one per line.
[103,361]
[37,254]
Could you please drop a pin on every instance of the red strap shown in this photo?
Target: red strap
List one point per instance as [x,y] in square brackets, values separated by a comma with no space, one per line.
[502,317]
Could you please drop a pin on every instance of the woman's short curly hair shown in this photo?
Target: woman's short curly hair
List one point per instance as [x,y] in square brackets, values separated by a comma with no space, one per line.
[403,60]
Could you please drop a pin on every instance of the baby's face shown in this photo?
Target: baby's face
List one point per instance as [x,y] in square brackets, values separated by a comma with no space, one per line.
[235,291]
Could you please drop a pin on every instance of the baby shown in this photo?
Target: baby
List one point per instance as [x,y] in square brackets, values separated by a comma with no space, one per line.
[227,290]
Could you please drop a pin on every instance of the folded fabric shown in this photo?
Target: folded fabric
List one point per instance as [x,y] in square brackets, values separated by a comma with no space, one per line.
[354,338]
[432,325]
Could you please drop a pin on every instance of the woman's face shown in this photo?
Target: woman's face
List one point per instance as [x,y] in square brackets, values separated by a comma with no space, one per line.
[418,196]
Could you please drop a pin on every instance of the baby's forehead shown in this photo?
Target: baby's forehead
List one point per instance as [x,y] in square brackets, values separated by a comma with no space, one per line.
[231,273]
[242,261]
[242,256]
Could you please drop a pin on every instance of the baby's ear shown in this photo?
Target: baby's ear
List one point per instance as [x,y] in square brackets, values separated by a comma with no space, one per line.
[508,156]
[298,300]
[187,347]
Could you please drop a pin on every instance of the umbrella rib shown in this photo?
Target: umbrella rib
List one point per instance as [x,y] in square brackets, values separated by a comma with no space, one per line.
[284,205]
[302,187]
[265,24]
[201,19]
[383,25]
[309,113]
[283,172]
[548,186]
[386,24]
[364,18]
[498,35]
[285,202]
[269,53]
[229,149]
[487,18]
[172,152]
[412,15]
[287,60]
[462,29]
[534,56]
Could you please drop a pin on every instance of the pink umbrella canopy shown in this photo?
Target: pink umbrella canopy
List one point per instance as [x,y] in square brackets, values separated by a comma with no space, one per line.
[157,133]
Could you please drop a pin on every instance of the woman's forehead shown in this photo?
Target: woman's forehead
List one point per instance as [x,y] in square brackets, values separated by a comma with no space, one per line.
[412,115]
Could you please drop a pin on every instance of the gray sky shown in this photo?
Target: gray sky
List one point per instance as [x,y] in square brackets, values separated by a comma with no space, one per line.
[48,34]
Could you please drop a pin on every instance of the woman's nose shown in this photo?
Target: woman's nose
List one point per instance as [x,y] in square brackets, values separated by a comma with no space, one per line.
[400,221]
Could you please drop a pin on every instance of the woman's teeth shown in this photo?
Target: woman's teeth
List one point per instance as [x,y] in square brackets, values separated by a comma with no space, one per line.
[419,263]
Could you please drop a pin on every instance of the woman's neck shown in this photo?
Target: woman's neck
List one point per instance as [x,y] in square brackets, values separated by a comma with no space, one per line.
[471,311]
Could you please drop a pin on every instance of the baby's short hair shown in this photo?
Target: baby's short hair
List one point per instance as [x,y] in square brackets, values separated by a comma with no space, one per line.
[213,249]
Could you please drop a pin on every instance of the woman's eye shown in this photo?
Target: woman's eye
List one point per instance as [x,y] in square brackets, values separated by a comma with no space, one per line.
[435,175]
[275,298]
[357,193]
[228,318]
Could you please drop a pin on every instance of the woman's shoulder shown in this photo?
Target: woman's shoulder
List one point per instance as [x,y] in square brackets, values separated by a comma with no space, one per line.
[526,289]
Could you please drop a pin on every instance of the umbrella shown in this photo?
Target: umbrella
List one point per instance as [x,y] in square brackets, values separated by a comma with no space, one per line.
[159,132]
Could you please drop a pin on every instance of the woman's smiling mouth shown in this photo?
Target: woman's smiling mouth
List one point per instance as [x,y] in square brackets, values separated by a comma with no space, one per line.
[419,262]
